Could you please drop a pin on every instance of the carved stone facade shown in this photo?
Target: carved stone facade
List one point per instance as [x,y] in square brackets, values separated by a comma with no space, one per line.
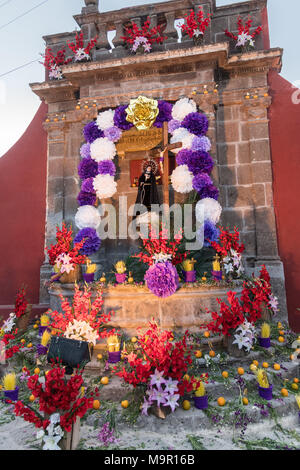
[232,89]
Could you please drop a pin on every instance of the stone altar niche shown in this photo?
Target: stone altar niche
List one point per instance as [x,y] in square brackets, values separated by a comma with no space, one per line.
[238,130]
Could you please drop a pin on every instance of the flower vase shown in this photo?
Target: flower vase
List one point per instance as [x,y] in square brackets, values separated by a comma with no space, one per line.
[266,393]
[114,357]
[233,349]
[71,439]
[217,275]
[53,274]
[189,276]
[120,278]
[71,277]
[23,321]
[266,313]
[265,342]
[11,395]
[160,412]
[201,402]
[198,39]
[88,278]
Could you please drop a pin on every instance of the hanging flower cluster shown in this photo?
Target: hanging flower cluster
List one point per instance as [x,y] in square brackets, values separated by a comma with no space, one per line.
[53,63]
[244,39]
[141,39]
[196,23]
[81,53]
[21,303]
[84,316]
[230,250]
[159,355]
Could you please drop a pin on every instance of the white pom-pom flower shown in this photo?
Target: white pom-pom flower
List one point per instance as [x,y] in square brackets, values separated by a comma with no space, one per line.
[105,186]
[105,120]
[182,135]
[182,179]
[208,209]
[87,216]
[182,108]
[103,149]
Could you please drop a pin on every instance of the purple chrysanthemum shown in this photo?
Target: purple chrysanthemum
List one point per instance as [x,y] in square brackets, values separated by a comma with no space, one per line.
[202,144]
[92,132]
[86,199]
[120,119]
[196,123]
[165,113]
[183,156]
[87,186]
[85,151]
[211,233]
[200,181]
[173,125]
[209,191]
[162,279]
[87,168]
[113,134]
[92,242]
[200,162]
[107,167]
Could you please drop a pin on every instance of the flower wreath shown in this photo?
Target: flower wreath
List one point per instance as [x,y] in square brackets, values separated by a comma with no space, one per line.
[194,163]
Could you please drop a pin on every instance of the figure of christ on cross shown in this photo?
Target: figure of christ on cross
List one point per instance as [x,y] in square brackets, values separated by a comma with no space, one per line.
[164,159]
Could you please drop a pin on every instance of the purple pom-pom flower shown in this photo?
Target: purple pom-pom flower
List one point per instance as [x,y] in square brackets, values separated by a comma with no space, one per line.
[92,132]
[183,156]
[85,151]
[87,186]
[173,125]
[209,191]
[165,113]
[162,279]
[211,233]
[86,199]
[200,181]
[87,168]
[202,144]
[196,123]
[107,167]
[113,134]
[92,242]
[200,162]
[120,119]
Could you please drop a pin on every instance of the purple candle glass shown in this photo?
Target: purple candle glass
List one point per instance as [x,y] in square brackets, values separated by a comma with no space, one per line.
[265,342]
[12,394]
[201,402]
[90,277]
[114,357]
[189,276]
[42,330]
[42,350]
[266,393]
[217,275]
[121,278]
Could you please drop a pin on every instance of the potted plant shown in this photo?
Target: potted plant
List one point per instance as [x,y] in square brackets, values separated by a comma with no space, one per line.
[230,250]
[140,40]
[189,272]
[43,346]
[265,390]
[89,275]
[201,397]
[44,324]
[245,39]
[114,349]
[11,391]
[264,339]
[23,310]
[120,274]
[196,25]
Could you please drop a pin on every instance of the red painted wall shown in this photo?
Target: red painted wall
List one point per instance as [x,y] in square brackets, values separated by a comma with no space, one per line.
[23,171]
[285,147]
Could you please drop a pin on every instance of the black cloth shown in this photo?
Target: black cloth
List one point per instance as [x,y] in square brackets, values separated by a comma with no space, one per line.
[147,192]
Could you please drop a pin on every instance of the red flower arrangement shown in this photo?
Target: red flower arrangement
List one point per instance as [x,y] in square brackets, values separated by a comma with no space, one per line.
[56,395]
[158,244]
[83,309]
[10,351]
[196,24]
[64,238]
[21,303]
[80,52]
[255,295]
[53,63]
[142,38]
[227,242]
[244,39]
[157,351]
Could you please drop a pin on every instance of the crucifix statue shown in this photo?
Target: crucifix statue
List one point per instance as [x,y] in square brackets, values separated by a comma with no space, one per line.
[164,160]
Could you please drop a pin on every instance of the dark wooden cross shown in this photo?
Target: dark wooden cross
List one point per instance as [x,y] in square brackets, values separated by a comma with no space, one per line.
[166,147]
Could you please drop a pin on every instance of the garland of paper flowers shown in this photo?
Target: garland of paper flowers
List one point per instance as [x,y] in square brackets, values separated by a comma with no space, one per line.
[194,163]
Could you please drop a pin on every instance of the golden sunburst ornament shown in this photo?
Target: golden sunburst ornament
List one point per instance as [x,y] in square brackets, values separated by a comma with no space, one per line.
[142,112]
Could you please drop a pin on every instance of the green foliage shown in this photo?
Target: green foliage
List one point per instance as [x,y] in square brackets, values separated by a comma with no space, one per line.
[195,442]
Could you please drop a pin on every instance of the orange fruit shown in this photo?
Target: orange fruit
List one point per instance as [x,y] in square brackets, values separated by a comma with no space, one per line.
[23,341]
[31,398]
[265,365]
[281,332]
[37,371]
[221,401]
[253,367]
[186,377]
[225,374]
[134,339]
[276,366]
[245,401]
[240,371]
[104,381]
[35,326]
[206,334]
[29,345]
[256,363]
[99,357]
[186,405]
[296,381]
[96,404]
[281,339]
[1,386]
[125,404]
[198,354]
[295,386]
[284,392]
[212,353]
